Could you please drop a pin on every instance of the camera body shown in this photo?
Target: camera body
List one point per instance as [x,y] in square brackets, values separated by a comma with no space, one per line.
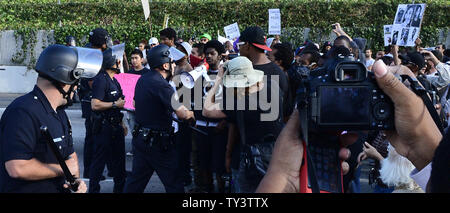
[345,96]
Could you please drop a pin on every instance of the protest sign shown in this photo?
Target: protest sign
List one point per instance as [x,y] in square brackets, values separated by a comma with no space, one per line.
[407,23]
[146,8]
[232,31]
[222,39]
[128,83]
[387,35]
[274,22]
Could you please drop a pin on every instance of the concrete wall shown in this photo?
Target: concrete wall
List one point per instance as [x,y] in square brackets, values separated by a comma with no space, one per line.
[17,79]
[20,78]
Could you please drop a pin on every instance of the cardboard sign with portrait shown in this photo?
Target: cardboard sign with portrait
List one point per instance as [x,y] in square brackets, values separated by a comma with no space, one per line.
[407,23]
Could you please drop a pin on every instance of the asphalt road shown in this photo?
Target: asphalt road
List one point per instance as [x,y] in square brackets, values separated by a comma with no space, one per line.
[155,185]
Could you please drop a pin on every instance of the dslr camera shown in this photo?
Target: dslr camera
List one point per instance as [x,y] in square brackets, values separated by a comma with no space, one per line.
[343,95]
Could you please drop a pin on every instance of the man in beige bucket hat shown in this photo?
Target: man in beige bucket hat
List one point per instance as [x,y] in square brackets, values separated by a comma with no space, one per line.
[256,133]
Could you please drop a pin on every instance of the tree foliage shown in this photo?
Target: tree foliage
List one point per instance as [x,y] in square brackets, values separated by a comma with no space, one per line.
[125,19]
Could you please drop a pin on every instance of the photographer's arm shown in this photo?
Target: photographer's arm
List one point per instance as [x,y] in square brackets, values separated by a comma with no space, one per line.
[210,108]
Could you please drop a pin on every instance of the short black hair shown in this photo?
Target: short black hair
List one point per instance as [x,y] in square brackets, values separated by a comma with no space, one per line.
[284,54]
[169,33]
[447,52]
[200,47]
[345,38]
[216,45]
[137,52]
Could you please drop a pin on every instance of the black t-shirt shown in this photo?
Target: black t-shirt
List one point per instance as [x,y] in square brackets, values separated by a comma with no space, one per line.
[107,90]
[140,72]
[271,70]
[258,126]
[21,139]
[152,96]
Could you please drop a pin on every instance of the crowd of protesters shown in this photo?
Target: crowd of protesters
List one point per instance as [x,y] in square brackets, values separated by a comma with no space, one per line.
[252,141]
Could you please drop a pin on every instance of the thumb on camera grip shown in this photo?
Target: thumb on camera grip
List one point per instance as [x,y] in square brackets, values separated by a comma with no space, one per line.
[391,85]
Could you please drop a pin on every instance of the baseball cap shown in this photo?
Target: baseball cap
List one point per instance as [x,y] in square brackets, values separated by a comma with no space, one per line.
[240,73]
[206,35]
[153,40]
[98,37]
[255,36]
[413,57]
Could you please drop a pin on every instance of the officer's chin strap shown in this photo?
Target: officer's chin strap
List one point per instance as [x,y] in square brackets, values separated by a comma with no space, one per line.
[422,93]
[169,71]
[66,95]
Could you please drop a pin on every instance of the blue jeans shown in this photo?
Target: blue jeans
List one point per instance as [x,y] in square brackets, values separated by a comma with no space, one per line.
[234,177]
[356,185]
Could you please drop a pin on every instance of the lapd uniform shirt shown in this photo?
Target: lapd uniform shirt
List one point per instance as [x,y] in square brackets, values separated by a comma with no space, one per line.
[152,98]
[107,90]
[20,139]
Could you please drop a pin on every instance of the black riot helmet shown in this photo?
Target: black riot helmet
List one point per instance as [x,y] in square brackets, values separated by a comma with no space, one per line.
[59,63]
[98,37]
[66,65]
[158,56]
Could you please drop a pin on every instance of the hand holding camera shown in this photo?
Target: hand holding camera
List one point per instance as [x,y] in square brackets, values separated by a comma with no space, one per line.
[337,29]
[416,136]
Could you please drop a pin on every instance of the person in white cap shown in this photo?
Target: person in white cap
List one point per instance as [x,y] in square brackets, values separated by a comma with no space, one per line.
[153,42]
[183,64]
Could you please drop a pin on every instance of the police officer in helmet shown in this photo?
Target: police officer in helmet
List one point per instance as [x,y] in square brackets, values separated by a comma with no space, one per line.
[98,39]
[27,163]
[154,134]
[108,130]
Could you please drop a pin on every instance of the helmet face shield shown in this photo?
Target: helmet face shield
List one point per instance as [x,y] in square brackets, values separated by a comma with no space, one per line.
[89,60]
[175,54]
[118,50]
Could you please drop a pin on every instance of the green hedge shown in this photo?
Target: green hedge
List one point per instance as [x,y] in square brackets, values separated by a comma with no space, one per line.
[125,19]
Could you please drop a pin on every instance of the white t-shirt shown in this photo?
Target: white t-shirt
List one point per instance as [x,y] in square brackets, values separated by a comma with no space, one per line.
[369,62]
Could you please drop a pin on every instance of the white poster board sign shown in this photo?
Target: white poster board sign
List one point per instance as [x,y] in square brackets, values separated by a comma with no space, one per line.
[407,23]
[222,39]
[274,22]
[146,7]
[232,31]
